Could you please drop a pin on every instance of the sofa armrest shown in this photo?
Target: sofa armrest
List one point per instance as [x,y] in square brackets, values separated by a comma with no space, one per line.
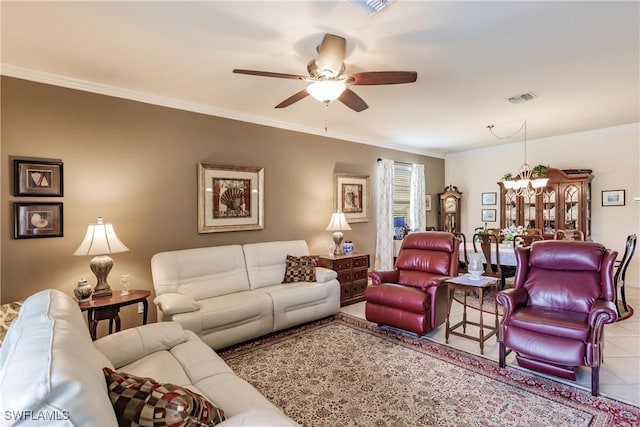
[390,276]
[325,274]
[512,299]
[172,303]
[127,346]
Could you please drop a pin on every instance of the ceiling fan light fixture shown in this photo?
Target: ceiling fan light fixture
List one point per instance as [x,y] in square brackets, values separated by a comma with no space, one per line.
[326,90]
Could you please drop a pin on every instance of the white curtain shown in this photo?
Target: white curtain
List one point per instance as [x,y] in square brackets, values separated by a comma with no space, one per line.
[417,207]
[384,217]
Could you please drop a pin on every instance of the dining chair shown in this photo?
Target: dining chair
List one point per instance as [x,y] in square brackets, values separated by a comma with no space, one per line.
[489,243]
[533,232]
[526,240]
[496,232]
[463,265]
[568,235]
[618,278]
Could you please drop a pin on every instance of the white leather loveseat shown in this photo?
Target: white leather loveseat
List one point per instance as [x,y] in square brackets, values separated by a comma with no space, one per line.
[230,294]
[51,373]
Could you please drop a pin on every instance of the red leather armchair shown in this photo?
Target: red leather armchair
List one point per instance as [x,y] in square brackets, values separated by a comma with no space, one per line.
[555,315]
[413,297]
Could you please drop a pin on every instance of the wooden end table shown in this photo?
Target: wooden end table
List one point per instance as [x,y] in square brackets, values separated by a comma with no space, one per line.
[465,284]
[107,308]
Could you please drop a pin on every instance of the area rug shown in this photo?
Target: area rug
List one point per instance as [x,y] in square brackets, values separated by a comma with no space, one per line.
[343,371]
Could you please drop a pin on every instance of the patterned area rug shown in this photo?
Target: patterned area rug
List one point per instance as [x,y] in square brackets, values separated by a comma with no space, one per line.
[343,371]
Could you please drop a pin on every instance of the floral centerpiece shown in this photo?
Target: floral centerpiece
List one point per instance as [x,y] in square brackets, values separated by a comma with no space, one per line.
[511,232]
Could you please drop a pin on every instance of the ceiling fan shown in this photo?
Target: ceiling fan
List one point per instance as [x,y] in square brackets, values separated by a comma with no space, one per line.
[328,82]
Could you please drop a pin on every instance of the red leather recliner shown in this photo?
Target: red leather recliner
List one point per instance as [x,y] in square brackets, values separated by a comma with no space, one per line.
[413,297]
[554,317]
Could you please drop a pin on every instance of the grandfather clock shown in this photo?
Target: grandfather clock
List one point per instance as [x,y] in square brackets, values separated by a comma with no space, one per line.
[450,209]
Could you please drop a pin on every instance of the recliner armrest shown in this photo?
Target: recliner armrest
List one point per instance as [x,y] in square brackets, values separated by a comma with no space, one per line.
[172,303]
[512,299]
[390,276]
[602,312]
[325,274]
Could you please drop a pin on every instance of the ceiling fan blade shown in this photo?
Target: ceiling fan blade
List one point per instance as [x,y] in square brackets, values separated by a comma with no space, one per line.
[293,98]
[331,53]
[270,74]
[382,77]
[353,101]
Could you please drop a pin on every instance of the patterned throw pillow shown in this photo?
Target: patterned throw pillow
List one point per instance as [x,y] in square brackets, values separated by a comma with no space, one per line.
[300,269]
[8,312]
[139,401]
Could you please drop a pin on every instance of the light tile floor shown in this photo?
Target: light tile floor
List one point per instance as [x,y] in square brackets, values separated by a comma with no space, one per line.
[619,375]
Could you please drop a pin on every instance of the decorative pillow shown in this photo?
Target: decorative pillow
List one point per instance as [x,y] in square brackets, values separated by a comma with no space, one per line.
[144,402]
[300,269]
[8,312]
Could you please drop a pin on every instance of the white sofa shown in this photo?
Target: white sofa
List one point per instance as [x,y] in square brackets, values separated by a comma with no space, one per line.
[51,371]
[230,294]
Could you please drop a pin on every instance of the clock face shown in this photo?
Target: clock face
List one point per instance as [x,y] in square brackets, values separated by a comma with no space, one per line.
[450,204]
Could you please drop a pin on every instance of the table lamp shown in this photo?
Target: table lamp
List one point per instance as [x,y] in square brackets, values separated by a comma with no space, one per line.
[101,240]
[338,224]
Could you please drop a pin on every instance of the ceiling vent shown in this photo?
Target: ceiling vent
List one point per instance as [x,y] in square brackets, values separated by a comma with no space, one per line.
[370,6]
[519,99]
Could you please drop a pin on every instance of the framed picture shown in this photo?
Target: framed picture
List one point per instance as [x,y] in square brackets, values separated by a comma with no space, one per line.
[489,199]
[37,220]
[613,198]
[351,196]
[230,198]
[427,202]
[37,178]
[488,215]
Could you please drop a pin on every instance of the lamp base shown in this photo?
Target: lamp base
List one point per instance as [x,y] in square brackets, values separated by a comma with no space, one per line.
[101,265]
[337,239]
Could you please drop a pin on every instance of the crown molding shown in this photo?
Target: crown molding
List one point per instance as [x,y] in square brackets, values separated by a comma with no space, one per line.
[38,76]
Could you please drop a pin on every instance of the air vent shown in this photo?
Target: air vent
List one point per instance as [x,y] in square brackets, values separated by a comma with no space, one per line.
[370,6]
[519,99]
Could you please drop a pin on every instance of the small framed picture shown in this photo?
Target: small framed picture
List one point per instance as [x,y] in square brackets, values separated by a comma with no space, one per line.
[488,215]
[489,199]
[37,178]
[37,220]
[427,202]
[351,196]
[230,198]
[613,198]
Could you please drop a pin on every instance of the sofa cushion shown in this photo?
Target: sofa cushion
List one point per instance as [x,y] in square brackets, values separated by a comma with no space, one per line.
[266,262]
[48,356]
[145,402]
[300,269]
[200,273]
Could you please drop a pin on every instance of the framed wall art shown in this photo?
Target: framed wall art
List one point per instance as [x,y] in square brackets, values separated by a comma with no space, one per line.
[427,202]
[230,198]
[488,215]
[37,220]
[489,199]
[613,198]
[351,196]
[37,178]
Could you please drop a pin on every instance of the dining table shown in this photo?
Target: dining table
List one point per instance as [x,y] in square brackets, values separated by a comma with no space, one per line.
[507,254]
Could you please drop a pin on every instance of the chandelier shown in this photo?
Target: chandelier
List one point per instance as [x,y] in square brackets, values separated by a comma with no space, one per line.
[527,181]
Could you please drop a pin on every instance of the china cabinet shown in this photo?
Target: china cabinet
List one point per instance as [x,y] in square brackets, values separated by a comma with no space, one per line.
[450,209]
[565,203]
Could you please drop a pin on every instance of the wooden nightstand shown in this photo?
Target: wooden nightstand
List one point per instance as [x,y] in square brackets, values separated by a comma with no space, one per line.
[107,308]
[352,275]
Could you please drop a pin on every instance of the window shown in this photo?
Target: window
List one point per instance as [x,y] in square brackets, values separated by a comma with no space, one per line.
[401,190]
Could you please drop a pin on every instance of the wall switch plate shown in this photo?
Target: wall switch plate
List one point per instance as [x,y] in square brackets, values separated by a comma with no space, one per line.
[140,308]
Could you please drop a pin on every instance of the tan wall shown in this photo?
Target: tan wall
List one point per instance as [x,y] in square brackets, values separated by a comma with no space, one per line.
[135,165]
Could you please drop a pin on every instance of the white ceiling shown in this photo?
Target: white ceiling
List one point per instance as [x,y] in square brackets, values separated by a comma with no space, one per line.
[580,58]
